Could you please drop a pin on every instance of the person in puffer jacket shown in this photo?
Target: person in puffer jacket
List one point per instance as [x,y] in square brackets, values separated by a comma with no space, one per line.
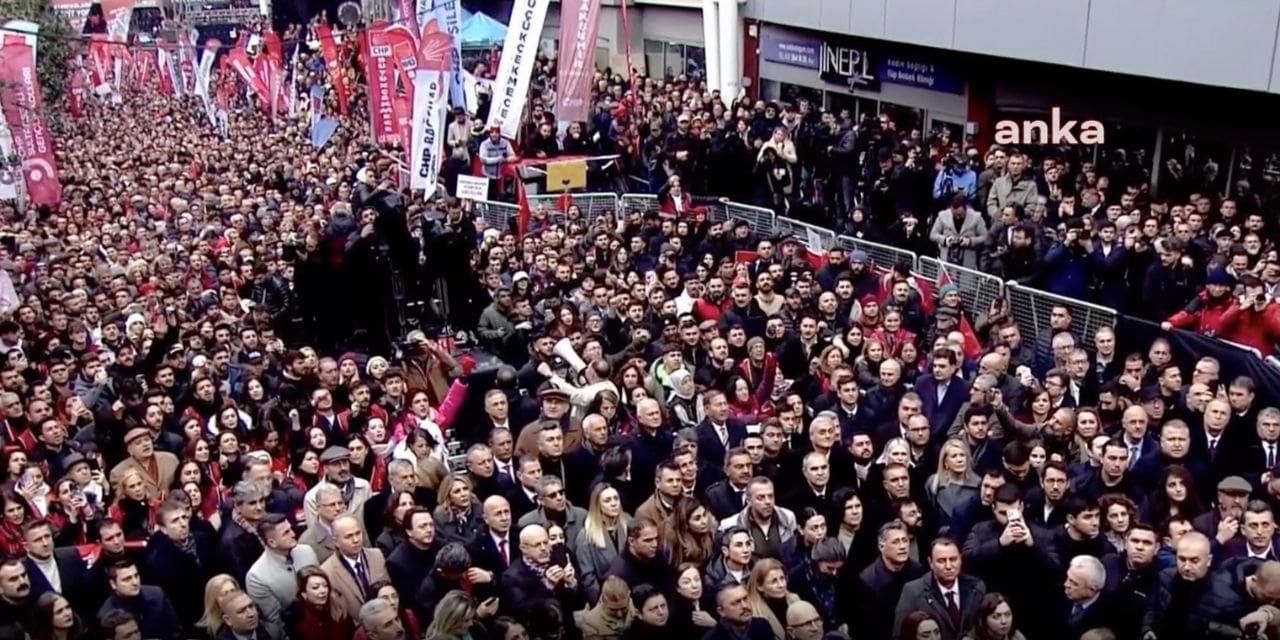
[1204,313]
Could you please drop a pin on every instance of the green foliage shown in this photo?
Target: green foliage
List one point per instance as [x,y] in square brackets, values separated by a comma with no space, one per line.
[56,42]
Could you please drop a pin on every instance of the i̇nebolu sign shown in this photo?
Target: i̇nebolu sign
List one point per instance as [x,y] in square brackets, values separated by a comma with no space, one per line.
[841,63]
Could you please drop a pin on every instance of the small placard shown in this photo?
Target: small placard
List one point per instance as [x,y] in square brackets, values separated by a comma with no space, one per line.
[473,188]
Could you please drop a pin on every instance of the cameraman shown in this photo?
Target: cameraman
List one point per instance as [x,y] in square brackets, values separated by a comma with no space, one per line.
[1254,319]
[1066,265]
[428,367]
[955,177]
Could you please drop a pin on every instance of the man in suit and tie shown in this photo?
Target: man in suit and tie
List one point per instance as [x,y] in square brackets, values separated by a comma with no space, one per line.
[942,393]
[523,496]
[729,496]
[180,561]
[1087,605]
[718,432]
[1257,537]
[354,567]
[1256,459]
[503,446]
[495,548]
[59,570]
[953,597]
[1144,450]
[319,535]
[272,581]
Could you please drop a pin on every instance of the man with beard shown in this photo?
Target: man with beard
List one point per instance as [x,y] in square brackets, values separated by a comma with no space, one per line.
[15,597]
[876,588]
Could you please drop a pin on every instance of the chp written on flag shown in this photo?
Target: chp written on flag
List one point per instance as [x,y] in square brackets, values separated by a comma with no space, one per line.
[519,51]
[23,105]
[381,73]
[429,107]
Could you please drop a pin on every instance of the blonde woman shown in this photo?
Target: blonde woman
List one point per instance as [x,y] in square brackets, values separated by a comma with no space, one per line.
[767,592]
[955,484]
[455,614]
[458,514]
[217,587]
[602,539]
[611,617]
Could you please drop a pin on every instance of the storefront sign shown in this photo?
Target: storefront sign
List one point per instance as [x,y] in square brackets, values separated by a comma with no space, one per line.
[848,65]
[916,73]
[795,52]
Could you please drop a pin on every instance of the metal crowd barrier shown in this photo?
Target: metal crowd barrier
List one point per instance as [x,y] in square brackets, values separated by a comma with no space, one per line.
[1031,308]
[593,205]
[882,255]
[977,289]
[762,221]
[815,238]
[496,215]
[642,202]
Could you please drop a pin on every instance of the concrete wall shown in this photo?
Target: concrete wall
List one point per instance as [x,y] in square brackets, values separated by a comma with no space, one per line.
[1229,44]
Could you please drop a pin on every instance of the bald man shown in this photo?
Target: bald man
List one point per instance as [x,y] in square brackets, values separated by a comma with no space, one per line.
[803,621]
[1181,586]
[496,548]
[541,575]
[353,567]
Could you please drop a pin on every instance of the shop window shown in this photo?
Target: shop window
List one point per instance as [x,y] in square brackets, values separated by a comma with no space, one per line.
[671,59]
[655,58]
[695,62]
[770,90]
[791,94]
[904,118]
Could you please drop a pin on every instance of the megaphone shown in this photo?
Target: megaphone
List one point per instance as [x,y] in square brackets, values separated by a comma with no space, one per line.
[564,349]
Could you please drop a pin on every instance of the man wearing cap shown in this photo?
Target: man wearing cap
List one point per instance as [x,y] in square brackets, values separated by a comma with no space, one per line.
[337,473]
[1223,522]
[555,408]
[1203,314]
[155,467]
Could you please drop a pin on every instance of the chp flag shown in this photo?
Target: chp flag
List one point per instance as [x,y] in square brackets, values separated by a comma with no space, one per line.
[23,105]
[579,25]
[519,51]
[430,92]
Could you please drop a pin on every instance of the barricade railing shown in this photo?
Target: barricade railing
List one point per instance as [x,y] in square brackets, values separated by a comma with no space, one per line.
[814,237]
[759,219]
[882,255]
[496,215]
[642,202]
[593,205]
[1031,309]
[977,289]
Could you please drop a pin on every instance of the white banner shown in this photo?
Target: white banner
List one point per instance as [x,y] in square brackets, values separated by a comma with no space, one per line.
[473,188]
[519,51]
[429,114]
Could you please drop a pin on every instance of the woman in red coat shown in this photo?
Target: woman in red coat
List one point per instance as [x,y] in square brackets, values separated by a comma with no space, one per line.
[316,615]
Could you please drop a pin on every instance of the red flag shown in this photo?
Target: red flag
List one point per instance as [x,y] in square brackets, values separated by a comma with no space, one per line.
[380,70]
[972,346]
[78,90]
[329,49]
[564,202]
[522,221]
[23,108]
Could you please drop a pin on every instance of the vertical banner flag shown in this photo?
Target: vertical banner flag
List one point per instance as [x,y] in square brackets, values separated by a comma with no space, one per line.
[579,24]
[519,51]
[23,107]
[329,48]
[79,87]
[380,70]
[239,61]
[429,108]
[451,20]
[116,13]
[9,176]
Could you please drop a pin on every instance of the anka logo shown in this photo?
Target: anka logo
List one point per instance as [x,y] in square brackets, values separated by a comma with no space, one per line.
[1055,131]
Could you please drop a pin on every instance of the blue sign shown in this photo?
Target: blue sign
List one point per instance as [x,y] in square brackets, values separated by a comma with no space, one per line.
[793,52]
[915,73]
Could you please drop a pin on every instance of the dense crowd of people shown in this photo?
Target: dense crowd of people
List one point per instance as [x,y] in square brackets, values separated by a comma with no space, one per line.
[212,429]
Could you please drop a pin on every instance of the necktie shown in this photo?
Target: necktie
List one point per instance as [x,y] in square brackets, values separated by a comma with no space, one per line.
[363,577]
[953,609]
[1076,610]
[502,552]
[723,432]
[1133,456]
[1271,456]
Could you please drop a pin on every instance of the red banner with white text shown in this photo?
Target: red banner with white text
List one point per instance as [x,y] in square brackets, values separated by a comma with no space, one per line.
[23,107]
[579,24]
[329,49]
[380,71]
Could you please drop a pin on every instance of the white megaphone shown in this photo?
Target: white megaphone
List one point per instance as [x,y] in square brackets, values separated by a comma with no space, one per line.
[564,349]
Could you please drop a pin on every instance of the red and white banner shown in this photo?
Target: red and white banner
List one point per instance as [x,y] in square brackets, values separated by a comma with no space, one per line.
[165,63]
[579,24]
[329,49]
[79,89]
[74,12]
[239,62]
[117,14]
[431,89]
[23,107]
[404,52]
[380,71]
[519,51]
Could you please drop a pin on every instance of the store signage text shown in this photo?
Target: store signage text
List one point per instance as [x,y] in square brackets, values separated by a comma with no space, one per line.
[914,73]
[847,65]
[1055,131]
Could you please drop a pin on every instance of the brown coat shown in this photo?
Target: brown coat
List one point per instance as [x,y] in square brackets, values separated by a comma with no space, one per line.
[342,582]
[653,511]
[158,486]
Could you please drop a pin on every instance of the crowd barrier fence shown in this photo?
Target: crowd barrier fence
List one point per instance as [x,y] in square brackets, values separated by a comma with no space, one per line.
[1029,307]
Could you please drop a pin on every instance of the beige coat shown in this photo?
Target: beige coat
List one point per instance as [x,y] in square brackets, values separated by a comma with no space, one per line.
[158,485]
[342,581]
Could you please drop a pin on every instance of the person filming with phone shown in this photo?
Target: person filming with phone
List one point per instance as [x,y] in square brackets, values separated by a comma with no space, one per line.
[1254,319]
[544,572]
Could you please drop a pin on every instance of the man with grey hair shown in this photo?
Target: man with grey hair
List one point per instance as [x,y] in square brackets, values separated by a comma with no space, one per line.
[381,621]
[553,506]
[319,535]
[1087,606]
[401,476]
[238,543]
[482,473]
[980,394]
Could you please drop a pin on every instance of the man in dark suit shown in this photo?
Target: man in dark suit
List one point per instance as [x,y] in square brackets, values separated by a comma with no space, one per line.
[148,604]
[718,432]
[180,562]
[951,596]
[410,562]
[495,550]
[1087,606]
[59,570]
[942,393]
[401,476]
[873,592]
[1144,450]
[239,548]
[736,619]
[536,578]
[1257,537]
[728,496]
[523,496]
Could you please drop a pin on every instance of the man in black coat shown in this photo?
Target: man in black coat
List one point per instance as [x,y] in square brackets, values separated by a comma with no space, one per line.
[238,547]
[1237,588]
[180,562]
[728,496]
[736,619]
[949,594]
[536,578]
[15,598]
[872,593]
[523,496]
[1180,588]
[410,562]
[401,476]
[147,604]
[49,569]
[642,562]
[1086,605]
[718,432]
[1133,577]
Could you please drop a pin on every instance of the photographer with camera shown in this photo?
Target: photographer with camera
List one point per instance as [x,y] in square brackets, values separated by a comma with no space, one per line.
[955,178]
[1066,265]
[959,232]
[1254,319]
